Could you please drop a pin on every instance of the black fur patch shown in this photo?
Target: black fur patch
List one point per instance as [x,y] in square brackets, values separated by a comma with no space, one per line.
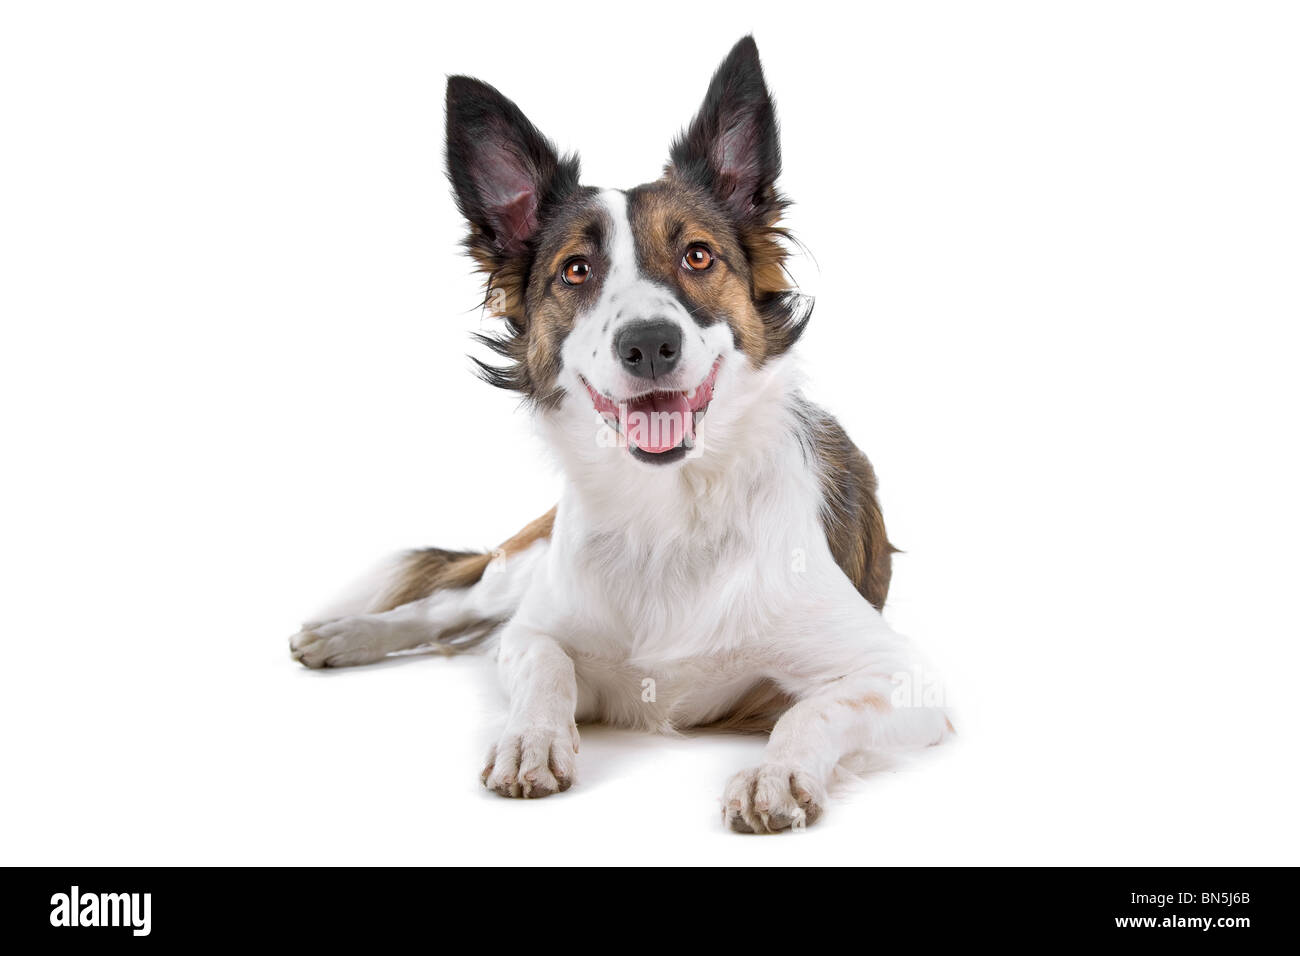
[732,148]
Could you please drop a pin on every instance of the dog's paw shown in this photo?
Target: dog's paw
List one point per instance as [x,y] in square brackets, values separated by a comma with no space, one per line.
[342,643]
[772,798]
[534,763]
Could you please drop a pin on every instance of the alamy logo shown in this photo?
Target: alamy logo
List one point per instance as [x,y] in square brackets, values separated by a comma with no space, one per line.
[101,909]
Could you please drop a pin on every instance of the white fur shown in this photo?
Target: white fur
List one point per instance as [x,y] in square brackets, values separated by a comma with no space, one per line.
[624,291]
[348,634]
[702,577]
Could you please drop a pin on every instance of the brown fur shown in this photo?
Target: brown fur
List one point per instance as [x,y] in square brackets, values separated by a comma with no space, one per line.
[552,306]
[756,712]
[870,701]
[538,313]
[432,569]
[748,277]
[428,570]
[851,518]
[530,534]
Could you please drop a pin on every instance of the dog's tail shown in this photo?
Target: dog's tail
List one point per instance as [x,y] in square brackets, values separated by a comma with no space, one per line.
[444,600]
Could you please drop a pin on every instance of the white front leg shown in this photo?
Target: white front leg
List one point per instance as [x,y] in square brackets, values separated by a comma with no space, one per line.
[848,710]
[536,754]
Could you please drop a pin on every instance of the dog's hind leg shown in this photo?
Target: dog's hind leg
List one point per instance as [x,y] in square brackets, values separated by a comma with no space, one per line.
[428,597]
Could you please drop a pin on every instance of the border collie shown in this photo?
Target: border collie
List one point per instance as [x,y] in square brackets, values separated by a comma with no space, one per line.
[718,556]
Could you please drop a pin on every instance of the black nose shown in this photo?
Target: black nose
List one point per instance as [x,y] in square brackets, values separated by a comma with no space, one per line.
[649,349]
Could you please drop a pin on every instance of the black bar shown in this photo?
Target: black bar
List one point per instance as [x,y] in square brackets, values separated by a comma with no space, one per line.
[301,905]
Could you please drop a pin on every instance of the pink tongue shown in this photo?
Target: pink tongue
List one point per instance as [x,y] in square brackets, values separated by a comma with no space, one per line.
[659,423]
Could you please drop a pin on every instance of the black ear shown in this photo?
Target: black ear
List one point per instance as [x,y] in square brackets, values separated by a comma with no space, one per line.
[502,169]
[731,147]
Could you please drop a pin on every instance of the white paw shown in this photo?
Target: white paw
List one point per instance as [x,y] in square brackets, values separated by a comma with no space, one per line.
[535,763]
[771,798]
[343,643]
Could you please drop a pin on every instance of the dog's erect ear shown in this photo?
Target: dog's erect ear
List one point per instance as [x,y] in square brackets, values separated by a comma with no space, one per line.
[731,147]
[502,169]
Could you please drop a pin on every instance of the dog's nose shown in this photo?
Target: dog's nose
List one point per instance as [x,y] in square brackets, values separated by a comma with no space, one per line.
[649,349]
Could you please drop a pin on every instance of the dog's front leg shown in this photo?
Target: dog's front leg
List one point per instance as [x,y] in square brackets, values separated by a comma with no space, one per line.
[844,716]
[536,754]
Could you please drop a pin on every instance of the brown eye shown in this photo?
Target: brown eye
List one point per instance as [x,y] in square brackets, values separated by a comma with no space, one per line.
[697,258]
[576,271]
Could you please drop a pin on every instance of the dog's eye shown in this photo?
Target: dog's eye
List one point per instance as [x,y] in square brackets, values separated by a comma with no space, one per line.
[697,258]
[576,272]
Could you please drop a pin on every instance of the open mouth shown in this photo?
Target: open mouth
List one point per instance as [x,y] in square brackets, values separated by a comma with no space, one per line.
[658,426]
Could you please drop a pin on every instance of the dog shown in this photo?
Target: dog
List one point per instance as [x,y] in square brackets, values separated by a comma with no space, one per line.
[718,557]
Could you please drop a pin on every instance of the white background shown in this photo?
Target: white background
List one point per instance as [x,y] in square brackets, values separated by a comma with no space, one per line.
[1056,254]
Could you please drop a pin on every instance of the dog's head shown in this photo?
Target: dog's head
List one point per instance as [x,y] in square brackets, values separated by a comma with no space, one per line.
[646,306]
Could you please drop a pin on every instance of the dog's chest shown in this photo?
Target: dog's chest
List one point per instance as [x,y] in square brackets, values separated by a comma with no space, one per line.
[659,600]
[693,583]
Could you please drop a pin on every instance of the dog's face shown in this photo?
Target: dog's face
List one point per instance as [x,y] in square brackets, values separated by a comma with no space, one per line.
[649,306]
